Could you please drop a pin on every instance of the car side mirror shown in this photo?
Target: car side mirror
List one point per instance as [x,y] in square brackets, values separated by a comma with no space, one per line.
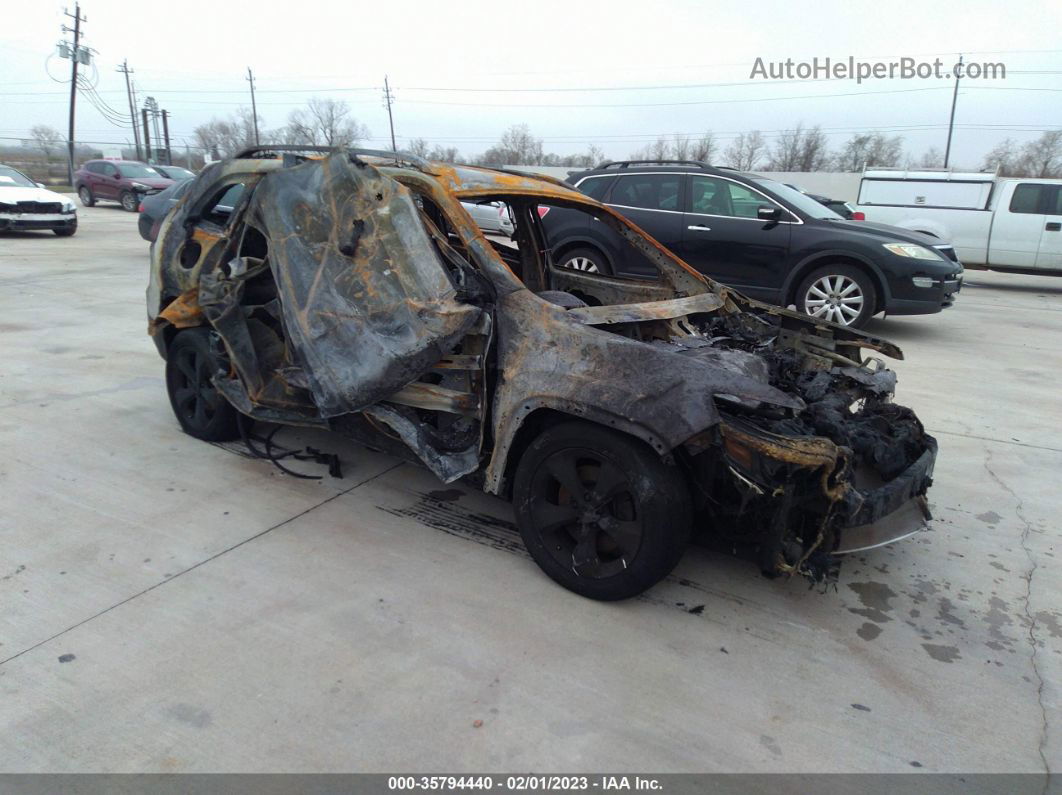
[765,213]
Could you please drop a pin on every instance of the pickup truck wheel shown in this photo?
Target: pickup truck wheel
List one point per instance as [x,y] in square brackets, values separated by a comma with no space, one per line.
[200,409]
[87,199]
[838,293]
[600,512]
[129,201]
[587,260]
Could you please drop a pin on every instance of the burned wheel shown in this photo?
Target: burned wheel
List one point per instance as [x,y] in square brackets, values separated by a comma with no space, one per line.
[198,406]
[600,512]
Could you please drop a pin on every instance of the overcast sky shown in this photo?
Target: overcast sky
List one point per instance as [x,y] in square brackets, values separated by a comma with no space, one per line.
[455,67]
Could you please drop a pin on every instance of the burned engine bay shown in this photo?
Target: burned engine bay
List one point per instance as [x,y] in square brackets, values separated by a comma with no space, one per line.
[799,483]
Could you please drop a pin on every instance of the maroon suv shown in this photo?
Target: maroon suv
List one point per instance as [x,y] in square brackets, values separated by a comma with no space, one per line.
[122,181]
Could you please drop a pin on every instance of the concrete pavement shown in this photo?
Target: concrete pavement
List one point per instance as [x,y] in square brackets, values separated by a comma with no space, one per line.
[169,605]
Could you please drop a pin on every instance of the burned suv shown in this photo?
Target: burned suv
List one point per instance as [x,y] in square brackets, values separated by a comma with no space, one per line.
[350,290]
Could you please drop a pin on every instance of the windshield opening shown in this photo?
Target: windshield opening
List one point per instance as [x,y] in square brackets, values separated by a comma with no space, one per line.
[801,201]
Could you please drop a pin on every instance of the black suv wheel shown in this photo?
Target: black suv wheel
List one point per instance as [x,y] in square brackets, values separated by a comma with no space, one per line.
[599,511]
[588,260]
[839,293]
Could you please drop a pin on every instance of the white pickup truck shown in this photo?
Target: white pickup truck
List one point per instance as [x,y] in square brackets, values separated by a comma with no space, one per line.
[1001,224]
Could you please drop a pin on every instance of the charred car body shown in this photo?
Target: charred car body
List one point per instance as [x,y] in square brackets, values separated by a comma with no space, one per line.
[351,291]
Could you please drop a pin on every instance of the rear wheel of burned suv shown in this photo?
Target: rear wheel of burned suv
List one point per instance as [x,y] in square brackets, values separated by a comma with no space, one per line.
[586,259]
[600,512]
[839,293]
[199,407]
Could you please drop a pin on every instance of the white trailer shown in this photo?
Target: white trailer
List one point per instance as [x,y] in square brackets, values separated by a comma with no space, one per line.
[1000,224]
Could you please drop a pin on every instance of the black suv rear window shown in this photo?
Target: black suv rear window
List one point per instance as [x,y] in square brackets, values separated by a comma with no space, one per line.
[596,187]
[651,191]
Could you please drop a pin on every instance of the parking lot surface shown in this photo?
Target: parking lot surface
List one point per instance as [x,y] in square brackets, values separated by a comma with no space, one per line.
[170,605]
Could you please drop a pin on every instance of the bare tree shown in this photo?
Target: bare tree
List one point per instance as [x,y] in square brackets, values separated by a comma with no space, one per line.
[932,158]
[680,147]
[324,122]
[1043,157]
[47,139]
[447,154]
[704,149]
[799,150]
[746,151]
[1039,158]
[1004,157]
[869,149]
[593,157]
[418,147]
[220,138]
[225,137]
[244,122]
[517,147]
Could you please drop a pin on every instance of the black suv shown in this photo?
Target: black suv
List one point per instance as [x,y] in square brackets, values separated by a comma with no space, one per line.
[762,237]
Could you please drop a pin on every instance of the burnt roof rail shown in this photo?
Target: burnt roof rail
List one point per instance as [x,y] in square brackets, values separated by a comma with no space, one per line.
[272,150]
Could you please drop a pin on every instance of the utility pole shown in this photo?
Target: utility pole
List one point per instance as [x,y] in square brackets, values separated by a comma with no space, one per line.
[166,136]
[75,55]
[951,121]
[147,136]
[124,68]
[389,98]
[153,113]
[254,108]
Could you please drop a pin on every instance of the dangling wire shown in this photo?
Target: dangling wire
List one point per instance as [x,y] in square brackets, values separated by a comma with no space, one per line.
[244,424]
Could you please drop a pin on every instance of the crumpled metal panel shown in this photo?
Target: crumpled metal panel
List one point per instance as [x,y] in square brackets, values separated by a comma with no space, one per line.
[658,393]
[367,302]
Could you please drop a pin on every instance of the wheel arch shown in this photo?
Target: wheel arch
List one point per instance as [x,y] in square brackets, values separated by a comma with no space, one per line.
[817,260]
[534,417]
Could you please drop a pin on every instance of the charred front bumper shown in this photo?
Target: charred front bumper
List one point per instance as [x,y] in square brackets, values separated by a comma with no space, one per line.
[891,512]
[805,500]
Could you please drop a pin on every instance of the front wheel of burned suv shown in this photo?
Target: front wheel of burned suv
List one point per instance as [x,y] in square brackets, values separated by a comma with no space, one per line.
[841,294]
[200,409]
[599,511]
